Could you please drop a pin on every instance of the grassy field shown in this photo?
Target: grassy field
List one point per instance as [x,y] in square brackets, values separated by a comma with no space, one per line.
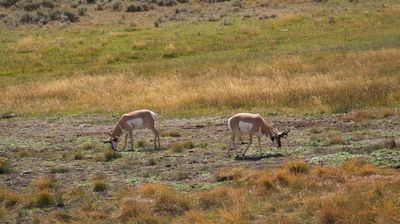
[328,61]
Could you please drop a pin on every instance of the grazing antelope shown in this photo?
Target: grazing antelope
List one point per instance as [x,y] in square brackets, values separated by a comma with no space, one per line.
[253,124]
[134,120]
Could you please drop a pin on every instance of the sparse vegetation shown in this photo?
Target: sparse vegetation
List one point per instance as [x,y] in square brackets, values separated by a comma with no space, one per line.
[179,147]
[59,170]
[78,155]
[171,133]
[297,167]
[4,166]
[141,143]
[44,199]
[99,184]
[42,183]
[109,155]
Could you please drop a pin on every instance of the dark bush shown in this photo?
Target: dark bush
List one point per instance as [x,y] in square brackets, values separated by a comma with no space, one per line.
[91,1]
[26,18]
[55,15]
[74,4]
[82,9]
[116,5]
[8,3]
[182,1]
[43,15]
[72,17]
[170,2]
[29,5]
[99,7]
[132,8]
[48,4]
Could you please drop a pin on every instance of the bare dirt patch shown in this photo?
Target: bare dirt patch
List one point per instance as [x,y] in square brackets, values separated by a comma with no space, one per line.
[38,147]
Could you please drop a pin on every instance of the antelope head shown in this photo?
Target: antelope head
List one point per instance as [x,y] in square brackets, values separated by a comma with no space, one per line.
[276,139]
[113,141]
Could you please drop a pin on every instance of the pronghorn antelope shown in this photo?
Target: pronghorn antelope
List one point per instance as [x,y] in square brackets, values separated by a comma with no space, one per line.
[253,124]
[134,120]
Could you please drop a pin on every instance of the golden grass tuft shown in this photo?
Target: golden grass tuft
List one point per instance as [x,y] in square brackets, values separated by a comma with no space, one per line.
[165,200]
[358,167]
[215,198]
[151,189]
[229,173]
[99,183]
[297,166]
[44,199]
[264,180]
[328,172]
[9,198]
[327,216]
[283,177]
[42,183]
[129,208]
[389,113]
[337,140]
[358,116]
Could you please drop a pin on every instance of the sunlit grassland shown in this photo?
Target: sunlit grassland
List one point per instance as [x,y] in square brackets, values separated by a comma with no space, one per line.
[355,192]
[297,62]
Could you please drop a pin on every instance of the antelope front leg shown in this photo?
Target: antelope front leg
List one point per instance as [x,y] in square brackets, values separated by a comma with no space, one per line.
[248,146]
[234,144]
[156,137]
[126,139]
[259,143]
[130,134]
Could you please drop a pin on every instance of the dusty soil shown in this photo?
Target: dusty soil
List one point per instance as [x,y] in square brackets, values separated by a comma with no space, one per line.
[36,147]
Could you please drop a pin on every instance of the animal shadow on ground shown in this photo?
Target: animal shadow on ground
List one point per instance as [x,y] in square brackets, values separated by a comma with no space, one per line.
[255,157]
[149,149]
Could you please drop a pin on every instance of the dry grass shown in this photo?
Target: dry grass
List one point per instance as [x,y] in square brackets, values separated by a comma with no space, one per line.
[390,143]
[285,194]
[44,199]
[164,199]
[336,140]
[341,90]
[229,173]
[109,155]
[99,184]
[4,166]
[42,183]
[358,167]
[358,116]
[130,208]
[297,166]
[215,198]
[9,198]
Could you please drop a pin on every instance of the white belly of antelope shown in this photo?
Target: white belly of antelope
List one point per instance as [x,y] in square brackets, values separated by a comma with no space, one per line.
[136,123]
[245,127]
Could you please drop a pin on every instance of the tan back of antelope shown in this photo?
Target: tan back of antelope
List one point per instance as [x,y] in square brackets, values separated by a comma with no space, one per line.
[252,124]
[134,120]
